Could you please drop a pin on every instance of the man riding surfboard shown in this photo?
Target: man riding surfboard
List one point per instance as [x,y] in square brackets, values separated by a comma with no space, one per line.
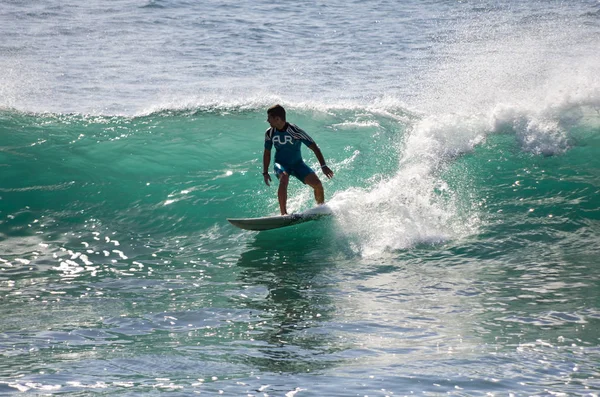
[287,139]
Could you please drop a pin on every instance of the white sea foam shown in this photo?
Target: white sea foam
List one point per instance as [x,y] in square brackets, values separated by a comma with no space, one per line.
[536,81]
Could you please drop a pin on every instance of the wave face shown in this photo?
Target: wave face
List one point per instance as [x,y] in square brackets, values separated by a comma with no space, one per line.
[403,178]
[461,258]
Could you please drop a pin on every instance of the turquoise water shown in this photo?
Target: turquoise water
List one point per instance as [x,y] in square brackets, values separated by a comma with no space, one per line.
[462,257]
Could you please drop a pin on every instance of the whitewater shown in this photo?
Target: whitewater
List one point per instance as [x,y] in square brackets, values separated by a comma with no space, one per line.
[462,255]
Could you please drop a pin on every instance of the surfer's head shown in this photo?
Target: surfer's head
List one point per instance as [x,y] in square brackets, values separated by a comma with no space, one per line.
[277,111]
[276,116]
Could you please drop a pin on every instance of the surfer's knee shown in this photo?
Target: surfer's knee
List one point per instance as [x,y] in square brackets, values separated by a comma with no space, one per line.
[318,186]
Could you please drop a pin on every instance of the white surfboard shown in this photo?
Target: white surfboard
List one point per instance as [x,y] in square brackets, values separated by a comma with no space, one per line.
[274,222]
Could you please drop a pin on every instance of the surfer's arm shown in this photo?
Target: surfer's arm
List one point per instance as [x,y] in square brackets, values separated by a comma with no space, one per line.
[326,170]
[266,162]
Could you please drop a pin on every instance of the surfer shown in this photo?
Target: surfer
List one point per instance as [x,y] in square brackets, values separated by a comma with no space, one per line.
[287,138]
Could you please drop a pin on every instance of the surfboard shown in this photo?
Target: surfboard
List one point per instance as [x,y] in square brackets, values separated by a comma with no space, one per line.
[275,222]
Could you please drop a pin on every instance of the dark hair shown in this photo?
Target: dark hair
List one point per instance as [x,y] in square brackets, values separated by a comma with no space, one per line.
[277,111]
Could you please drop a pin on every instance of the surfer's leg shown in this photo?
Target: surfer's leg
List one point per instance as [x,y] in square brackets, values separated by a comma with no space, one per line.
[313,181]
[284,179]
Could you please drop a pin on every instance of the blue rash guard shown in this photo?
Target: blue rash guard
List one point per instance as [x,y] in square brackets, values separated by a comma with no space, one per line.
[288,157]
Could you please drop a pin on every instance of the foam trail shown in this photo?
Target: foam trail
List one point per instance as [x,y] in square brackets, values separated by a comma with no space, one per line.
[396,214]
[414,205]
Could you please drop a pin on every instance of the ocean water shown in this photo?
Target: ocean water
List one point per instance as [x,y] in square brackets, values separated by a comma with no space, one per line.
[462,258]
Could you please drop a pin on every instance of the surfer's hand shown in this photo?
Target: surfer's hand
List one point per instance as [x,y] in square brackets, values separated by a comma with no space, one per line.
[267,178]
[327,171]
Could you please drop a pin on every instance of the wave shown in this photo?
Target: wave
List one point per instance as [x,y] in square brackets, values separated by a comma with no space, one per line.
[403,177]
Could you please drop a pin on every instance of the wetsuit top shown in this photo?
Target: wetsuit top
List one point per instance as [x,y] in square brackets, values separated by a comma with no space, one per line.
[287,143]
